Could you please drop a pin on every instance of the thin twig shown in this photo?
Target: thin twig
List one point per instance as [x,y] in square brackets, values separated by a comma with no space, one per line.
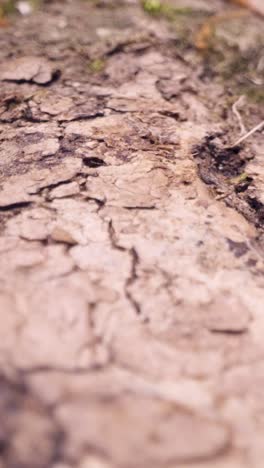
[251,132]
[235,110]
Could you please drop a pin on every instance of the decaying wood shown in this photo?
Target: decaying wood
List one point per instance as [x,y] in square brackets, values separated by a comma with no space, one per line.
[131,238]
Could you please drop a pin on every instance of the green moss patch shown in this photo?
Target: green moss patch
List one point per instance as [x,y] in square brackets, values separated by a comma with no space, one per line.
[96,65]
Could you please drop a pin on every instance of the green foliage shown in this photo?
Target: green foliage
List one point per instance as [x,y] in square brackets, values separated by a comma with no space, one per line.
[152,7]
[157,7]
[239,179]
[35,4]
[255,94]
[8,7]
[96,65]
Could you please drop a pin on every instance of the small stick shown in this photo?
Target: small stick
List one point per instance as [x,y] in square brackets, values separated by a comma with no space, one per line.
[253,130]
[235,111]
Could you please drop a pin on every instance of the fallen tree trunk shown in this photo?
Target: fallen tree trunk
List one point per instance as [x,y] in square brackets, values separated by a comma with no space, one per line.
[131,237]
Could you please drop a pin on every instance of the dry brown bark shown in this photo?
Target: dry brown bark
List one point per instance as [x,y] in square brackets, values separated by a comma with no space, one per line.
[131,239]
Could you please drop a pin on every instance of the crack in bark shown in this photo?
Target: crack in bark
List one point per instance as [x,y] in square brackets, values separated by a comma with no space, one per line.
[15,206]
[129,281]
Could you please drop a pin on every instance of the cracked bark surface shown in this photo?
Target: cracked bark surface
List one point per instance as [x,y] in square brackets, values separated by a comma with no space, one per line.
[131,240]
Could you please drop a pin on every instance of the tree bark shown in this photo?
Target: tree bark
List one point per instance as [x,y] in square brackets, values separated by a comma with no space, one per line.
[131,238]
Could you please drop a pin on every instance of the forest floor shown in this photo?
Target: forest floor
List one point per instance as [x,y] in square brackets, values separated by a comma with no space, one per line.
[131,236]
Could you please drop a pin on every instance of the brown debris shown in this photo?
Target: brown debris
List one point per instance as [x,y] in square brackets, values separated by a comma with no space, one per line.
[255,5]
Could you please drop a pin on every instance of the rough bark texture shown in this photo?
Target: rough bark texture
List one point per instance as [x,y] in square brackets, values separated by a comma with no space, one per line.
[131,238]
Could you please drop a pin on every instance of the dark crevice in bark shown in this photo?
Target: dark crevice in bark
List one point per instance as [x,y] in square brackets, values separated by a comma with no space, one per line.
[15,206]
[129,281]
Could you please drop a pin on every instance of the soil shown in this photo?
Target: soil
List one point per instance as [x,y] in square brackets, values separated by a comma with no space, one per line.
[131,236]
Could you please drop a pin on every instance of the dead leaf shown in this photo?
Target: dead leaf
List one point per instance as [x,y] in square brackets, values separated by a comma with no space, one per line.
[255,5]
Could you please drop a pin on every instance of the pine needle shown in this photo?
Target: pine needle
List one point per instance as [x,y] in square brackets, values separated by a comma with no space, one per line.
[251,132]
